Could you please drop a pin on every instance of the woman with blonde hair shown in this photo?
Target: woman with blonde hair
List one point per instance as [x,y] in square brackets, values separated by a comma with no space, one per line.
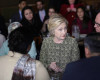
[59,49]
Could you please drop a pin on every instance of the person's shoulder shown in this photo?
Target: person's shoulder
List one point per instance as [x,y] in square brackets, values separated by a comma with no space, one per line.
[2,58]
[33,42]
[37,13]
[70,39]
[16,13]
[76,64]
[48,39]
[38,64]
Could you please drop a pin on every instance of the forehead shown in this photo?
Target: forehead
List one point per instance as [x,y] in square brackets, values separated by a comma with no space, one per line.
[97,18]
[62,25]
[79,9]
[39,2]
[27,10]
[51,9]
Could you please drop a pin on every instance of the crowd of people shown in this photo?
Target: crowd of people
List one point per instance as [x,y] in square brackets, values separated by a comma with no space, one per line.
[24,57]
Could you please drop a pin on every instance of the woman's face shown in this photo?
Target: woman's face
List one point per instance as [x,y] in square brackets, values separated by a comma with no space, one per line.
[28,14]
[60,32]
[80,13]
[71,1]
[51,12]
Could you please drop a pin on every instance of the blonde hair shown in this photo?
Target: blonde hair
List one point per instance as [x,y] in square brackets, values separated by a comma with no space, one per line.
[54,22]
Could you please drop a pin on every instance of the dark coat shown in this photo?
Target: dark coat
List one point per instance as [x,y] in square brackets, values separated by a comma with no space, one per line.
[3,27]
[85,69]
[16,17]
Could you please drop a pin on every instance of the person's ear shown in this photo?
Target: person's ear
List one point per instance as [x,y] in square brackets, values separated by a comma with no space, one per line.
[87,52]
[19,5]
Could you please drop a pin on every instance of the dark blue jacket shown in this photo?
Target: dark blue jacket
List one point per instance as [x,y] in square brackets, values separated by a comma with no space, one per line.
[85,69]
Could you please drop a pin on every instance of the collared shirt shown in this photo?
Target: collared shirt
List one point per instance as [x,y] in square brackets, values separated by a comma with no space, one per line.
[20,13]
[42,14]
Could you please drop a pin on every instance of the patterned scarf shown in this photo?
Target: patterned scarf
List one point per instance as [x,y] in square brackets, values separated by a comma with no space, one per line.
[24,69]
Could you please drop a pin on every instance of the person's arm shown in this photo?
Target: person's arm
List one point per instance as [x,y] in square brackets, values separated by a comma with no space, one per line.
[64,10]
[4,49]
[44,26]
[43,53]
[90,25]
[75,50]
[41,72]
[32,51]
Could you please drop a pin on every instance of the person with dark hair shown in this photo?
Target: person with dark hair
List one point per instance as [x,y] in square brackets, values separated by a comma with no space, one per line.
[29,19]
[18,65]
[51,11]
[17,17]
[3,27]
[40,15]
[68,10]
[86,69]
[5,49]
[83,21]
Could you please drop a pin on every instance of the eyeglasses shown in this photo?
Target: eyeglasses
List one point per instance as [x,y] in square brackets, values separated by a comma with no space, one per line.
[98,25]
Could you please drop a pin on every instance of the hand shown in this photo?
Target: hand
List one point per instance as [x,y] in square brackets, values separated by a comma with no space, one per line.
[74,9]
[54,67]
[68,9]
[46,22]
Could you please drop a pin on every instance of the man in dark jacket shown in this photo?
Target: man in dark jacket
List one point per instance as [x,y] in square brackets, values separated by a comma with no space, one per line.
[89,68]
[18,15]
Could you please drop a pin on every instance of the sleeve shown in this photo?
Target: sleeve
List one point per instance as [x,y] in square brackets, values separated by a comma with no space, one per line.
[75,50]
[4,49]
[90,25]
[63,10]
[32,51]
[43,53]
[41,72]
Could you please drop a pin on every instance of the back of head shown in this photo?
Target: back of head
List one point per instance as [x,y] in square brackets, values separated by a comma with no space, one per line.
[19,40]
[92,41]
[54,22]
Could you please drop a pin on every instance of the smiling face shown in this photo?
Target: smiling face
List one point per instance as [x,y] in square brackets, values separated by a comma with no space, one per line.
[60,32]
[71,1]
[97,23]
[80,13]
[28,14]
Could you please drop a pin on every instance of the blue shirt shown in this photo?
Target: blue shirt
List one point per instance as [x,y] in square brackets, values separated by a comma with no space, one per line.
[42,14]
[5,49]
[20,13]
